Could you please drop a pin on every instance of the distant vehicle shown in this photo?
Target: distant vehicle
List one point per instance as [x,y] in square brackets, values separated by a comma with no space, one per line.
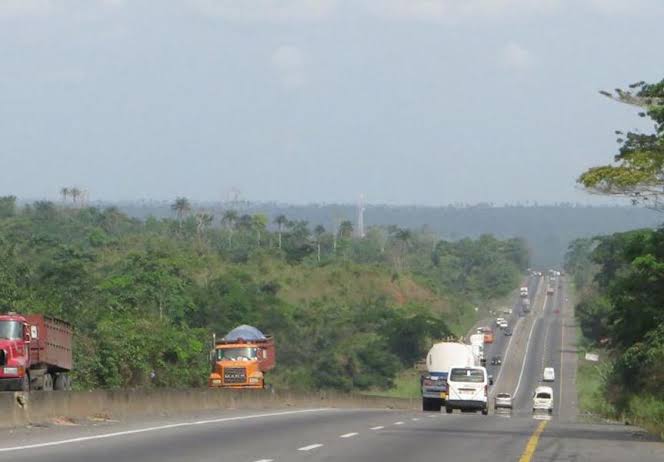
[503,400]
[496,361]
[468,390]
[507,331]
[543,399]
[36,353]
[488,336]
[525,305]
[241,359]
[549,291]
[549,375]
[501,322]
[523,291]
[440,359]
[477,346]
[556,311]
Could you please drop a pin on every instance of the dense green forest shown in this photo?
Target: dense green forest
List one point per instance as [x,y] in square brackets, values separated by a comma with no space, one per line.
[548,229]
[145,295]
[620,278]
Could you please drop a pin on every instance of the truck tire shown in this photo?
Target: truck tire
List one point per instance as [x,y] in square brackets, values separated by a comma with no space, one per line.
[431,405]
[47,382]
[448,410]
[485,412]
[60,382]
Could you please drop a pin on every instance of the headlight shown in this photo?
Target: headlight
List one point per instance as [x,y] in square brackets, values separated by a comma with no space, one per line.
[254,380]
[11,370]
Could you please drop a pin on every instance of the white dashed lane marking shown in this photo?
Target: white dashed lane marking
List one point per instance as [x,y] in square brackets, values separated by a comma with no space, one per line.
[379,427]
[310,447]
[348,435]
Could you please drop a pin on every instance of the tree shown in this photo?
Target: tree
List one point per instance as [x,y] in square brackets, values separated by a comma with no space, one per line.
[319,231]
[181,206]
[75,194]
[203,221]
[64,192]
[346,229]
[7,206]
[229,220]
[280,221]
[259,223]
[638,168]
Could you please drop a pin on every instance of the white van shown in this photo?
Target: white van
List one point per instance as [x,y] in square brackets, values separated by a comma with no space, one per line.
[468,389]
[543,399]
[549,375]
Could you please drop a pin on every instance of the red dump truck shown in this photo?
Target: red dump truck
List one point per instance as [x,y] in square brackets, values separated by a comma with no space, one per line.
[241,359]
[35,353]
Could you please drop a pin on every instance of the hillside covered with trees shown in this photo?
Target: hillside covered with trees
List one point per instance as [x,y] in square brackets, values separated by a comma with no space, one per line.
[145,295]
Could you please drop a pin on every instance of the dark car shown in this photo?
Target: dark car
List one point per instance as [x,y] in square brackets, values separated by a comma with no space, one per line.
[496,361]
[507,331]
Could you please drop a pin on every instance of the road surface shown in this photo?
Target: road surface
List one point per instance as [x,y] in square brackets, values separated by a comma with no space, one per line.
[372,435]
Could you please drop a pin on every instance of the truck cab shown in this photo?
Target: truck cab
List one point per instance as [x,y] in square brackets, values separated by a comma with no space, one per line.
[14,352]
[241,359]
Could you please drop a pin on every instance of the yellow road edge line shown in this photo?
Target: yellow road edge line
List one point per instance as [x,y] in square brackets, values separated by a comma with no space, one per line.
[529,451]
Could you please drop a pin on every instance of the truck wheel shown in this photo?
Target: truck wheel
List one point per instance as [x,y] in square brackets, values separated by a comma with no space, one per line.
[426,405]
[448,410]
[60,382]
[485,412]
[47,382]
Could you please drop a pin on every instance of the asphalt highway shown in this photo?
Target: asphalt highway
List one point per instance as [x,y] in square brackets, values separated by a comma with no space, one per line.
[540,339]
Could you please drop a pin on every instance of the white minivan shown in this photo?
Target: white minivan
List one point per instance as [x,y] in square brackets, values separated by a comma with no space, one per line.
[543,399]
[467,390]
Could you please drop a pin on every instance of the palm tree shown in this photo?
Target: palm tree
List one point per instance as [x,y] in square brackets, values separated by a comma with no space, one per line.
[203,221]
[181,206]
[64,192]
[229,219]
[75,193]
[281,221]
[318,232]
[259,222]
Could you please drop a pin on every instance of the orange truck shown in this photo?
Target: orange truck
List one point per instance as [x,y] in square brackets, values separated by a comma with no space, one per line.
[241,359]
[488,335]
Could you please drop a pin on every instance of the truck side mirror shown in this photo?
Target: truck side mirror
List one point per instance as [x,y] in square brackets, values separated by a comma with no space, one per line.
[26,333]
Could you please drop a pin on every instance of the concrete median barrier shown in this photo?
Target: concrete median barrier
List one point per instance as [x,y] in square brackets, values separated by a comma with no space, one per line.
[20,409]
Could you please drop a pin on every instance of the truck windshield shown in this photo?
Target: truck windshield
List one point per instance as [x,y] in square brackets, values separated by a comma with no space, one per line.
[10,330]
[236,354]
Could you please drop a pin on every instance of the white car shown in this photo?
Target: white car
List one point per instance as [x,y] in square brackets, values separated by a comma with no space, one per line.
[549,375]
[503,400]
[467,390]
[543,399]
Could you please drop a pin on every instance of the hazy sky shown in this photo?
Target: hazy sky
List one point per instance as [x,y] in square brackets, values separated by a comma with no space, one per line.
[407,101]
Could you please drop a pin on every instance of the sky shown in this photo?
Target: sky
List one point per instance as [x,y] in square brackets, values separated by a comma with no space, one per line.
[425,102]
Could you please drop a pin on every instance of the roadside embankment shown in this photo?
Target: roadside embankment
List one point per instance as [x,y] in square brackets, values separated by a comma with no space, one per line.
[20,409]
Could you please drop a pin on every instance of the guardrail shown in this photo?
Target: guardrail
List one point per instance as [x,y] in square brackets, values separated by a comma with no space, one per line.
[20,409]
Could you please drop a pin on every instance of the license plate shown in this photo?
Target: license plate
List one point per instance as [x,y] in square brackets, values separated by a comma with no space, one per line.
[466,391]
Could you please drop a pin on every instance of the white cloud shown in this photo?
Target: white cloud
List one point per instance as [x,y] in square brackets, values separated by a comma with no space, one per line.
[288,62]
[516,57]
[267,10]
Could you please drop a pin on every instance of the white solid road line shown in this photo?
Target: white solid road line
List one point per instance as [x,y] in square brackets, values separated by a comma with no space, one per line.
[414,419]
[398,423]
[310,447]
[379,427]
[155,429]
[264,460]
[525,356]
[349,435]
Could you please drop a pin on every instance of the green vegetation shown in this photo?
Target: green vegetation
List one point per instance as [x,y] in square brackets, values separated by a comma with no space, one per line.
[146,295]
[620,279]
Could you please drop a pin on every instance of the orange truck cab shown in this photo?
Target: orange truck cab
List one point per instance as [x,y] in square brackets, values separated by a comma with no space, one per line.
[241,359]
[488,335]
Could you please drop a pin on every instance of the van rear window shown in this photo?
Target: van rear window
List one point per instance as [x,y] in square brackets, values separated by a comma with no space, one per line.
[466,374]
[543,396]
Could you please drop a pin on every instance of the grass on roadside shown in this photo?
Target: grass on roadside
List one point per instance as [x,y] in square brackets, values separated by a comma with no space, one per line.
[406,385]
